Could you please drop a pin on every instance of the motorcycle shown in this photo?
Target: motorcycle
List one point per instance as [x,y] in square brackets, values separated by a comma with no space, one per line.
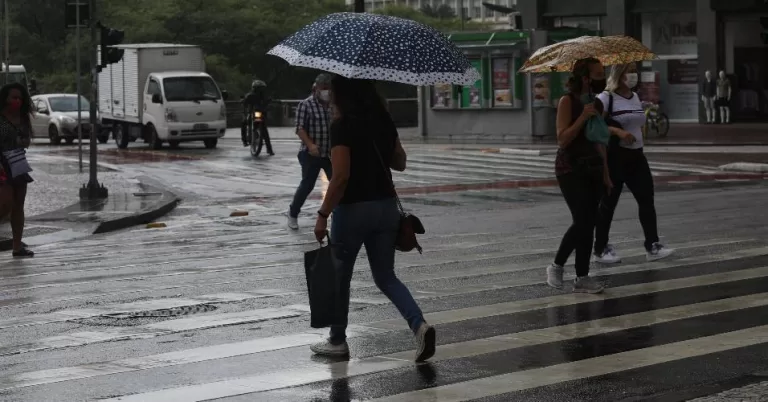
[256,126]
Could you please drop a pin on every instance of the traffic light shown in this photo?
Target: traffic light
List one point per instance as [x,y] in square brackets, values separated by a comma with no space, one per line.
[110,37]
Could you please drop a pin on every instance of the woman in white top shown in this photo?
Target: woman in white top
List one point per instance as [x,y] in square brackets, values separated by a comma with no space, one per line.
[627,165]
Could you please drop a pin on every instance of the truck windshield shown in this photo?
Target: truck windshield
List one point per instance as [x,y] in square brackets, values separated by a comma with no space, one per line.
[68,104]
[14,77]
[179,89]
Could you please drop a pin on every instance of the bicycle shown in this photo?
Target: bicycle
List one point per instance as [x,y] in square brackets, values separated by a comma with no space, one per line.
[655,120]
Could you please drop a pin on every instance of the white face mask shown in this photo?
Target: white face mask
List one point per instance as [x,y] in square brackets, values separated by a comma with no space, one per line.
[325,95]
[631,80]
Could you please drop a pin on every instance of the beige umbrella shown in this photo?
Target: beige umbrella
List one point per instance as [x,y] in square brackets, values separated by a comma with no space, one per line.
[610,50]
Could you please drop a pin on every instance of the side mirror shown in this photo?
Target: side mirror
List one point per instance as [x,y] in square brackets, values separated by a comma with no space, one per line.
[157,98]
[44,111]
[224,94]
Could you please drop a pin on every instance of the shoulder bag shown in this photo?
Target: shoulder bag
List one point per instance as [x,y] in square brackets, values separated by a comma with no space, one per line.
[16,159]
[410,225]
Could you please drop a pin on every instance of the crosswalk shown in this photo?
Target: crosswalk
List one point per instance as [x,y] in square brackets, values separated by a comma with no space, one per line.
[216,309]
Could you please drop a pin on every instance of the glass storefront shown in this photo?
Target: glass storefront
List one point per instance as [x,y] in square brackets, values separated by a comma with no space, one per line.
[672,36]
[746,58]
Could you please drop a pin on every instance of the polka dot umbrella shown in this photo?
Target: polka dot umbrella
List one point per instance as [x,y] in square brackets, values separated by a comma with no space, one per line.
[378,47]
[610,50]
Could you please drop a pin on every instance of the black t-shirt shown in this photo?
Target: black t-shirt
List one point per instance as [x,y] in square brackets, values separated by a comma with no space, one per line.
[368,179]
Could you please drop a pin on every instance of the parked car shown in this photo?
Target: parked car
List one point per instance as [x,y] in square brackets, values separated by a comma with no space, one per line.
[56,116]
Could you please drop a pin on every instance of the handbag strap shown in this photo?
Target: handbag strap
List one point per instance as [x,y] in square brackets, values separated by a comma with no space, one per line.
[385,169]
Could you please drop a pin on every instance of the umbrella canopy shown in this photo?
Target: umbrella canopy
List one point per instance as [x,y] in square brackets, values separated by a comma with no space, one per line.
[610,50]
[378,47]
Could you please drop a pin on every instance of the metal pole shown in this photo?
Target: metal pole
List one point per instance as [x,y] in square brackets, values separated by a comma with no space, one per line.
[93,190]
[461,13]
[7,43]
[79,88]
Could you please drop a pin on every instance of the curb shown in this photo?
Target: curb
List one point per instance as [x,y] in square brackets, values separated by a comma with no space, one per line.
[168,201]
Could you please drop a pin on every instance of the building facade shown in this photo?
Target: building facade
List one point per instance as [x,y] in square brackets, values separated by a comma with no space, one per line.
[472,9]
[690,37]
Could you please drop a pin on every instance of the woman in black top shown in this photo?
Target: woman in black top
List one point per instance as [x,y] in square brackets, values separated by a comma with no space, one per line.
[582,172]
[362,198]
[15,133]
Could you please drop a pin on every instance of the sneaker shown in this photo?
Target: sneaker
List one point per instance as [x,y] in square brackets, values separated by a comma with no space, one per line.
[293,223]
[426,337]
[608,256]
[23,253]
[587,284]
[658,251]
[555,276]
[328,349]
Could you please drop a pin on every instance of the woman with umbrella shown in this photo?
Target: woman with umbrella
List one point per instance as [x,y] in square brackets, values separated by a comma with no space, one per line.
[365,147]
[582,172]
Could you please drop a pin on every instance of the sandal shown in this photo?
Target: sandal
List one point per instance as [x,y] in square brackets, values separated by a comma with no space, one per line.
[23,253]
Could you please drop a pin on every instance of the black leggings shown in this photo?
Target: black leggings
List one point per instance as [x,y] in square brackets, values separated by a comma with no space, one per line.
[630,167]
[582,190]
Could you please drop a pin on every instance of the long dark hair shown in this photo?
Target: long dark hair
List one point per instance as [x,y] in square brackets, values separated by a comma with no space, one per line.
[578,72]
[25,112]
[355,98]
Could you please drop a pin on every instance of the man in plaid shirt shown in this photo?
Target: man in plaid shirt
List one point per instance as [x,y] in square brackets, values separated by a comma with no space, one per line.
[313,126]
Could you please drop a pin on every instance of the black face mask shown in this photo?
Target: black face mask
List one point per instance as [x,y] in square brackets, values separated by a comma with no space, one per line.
[597,86]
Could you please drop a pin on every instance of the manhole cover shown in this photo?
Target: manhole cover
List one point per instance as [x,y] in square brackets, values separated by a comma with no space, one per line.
[170,312]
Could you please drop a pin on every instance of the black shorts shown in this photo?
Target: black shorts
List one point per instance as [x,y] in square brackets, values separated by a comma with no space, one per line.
[722,102]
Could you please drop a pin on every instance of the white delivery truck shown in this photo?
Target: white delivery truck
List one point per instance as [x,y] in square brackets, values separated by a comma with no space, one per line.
[161,93]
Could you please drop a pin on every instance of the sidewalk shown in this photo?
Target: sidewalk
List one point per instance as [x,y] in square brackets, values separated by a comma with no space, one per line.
[56,213]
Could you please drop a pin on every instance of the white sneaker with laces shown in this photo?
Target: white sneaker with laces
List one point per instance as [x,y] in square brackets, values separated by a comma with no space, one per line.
[587,284]
[608,256]
[427,342]
[328,349]
[555,276]
[658,251]
[293,223]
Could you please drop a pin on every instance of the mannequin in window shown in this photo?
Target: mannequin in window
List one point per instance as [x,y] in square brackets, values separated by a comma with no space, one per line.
[724,97]
[708,94]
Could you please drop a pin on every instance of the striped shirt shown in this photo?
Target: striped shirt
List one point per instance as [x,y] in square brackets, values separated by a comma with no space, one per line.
[315,118]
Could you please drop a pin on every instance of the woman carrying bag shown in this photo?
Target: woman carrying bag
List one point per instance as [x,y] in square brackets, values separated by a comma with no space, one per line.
[15,137]
[628,165]
[581,170]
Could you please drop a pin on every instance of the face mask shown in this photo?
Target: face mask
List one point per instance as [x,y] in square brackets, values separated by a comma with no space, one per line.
[631,80]
[325,95]
[597,86]
[15,105]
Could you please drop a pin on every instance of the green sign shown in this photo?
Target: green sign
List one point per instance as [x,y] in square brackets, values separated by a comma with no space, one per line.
[472,95]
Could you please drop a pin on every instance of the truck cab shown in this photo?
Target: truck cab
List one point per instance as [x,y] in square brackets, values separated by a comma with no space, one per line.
[15,73]
[184,106]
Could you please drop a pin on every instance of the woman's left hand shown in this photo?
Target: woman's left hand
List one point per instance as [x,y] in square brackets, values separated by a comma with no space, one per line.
[321,228]
[26,142]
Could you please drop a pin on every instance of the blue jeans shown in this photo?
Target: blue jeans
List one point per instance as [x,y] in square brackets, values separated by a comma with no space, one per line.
[373,224]
[310,170]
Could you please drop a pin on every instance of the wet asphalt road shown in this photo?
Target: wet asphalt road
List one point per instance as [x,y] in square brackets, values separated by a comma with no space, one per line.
[214,307]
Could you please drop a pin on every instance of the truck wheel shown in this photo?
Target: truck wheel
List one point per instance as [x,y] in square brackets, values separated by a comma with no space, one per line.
[53,134]
[121,136]
[211,143]
[154,141]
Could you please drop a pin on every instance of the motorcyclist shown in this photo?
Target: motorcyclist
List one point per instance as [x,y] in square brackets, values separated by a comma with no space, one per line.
[256,100]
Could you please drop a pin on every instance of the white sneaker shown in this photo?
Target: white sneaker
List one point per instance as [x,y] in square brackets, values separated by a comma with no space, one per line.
[658,251]
[555,276]
[587,284]
[328,349]
[427,341]
[608,256]
[293,223]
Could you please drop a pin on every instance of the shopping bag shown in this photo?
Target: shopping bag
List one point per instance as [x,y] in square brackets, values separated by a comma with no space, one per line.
[17,163]
[323,270]
[597,130]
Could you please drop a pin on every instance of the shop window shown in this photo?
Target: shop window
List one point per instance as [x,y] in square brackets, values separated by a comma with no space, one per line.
[500,86]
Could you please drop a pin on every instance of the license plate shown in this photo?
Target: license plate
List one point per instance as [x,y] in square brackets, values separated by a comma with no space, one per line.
[200,126]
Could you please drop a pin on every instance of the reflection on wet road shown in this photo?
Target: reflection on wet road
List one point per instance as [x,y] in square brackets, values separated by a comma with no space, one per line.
[214,307]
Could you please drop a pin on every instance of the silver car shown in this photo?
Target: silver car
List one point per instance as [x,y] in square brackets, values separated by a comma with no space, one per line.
[55,115]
